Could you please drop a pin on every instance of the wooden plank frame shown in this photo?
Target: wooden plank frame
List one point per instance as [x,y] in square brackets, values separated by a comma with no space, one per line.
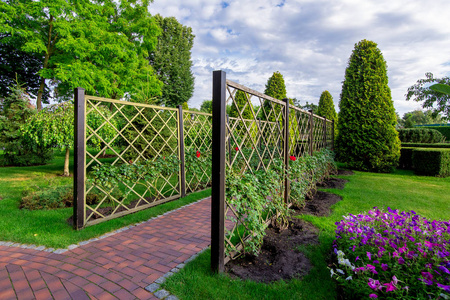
[79,174]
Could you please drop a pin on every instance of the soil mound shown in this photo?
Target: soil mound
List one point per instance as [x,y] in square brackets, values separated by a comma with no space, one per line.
[333,183]
[320,204]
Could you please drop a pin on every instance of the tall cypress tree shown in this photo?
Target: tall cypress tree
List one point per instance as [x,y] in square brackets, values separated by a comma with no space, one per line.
[367,138]
[172,62]
[326,106]
[275,88]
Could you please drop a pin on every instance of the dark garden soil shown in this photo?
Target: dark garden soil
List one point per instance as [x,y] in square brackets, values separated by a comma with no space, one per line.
[333,183]
[345,172]
[280,256]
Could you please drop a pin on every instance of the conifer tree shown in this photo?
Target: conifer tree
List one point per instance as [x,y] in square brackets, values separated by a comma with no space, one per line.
[275,88]
[367,138]
[326,106]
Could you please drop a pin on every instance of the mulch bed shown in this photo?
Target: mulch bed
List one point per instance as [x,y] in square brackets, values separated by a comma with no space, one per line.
[345,172]
[280,257]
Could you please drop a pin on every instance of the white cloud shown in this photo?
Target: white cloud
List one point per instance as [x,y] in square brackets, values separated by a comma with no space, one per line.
[310,41]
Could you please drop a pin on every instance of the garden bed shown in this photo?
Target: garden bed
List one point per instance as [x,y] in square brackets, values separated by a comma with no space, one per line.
[281,256]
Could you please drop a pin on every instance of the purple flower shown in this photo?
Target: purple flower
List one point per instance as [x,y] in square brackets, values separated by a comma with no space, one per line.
[374,284]
[369,255]
[373,296]
[389,287]
[444,269]
[384,267]
[444,287]
[401,260]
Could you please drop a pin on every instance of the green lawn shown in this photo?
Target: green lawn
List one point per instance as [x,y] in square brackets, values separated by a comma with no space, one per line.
[49,227]
[428,196]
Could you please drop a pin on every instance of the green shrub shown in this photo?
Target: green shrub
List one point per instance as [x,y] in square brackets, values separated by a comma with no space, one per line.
[52,198]
[433,162]
[420,135]
[445,130]
[405,161]
[425,145]
[367,139]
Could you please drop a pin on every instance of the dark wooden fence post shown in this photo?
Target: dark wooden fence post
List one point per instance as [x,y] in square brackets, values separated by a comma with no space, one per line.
[218,172]
[182,154]
[311,132]
[286,149]
[332,135]
[79,173]
[324,133]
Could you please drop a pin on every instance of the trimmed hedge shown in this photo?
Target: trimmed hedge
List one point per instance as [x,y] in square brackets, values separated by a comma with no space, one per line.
[433,162]
[445,130]
[424,145]
[405,161]
[420,135]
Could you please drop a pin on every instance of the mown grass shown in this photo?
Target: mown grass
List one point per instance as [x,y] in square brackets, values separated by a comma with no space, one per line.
[427,196]
[49,227]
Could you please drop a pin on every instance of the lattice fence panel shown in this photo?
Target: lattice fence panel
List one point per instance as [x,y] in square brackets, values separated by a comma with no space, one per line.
[197,141]
[141,165]
[318,132]
[299,131]
[254,141]
[329,134]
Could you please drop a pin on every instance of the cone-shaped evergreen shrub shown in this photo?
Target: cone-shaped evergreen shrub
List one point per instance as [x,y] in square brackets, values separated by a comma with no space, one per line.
[326,106]
[275,88]
[367,138]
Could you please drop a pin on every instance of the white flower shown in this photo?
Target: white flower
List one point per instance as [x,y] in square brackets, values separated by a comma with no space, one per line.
[444,296]
[349,278]
[332,272]
[340,271]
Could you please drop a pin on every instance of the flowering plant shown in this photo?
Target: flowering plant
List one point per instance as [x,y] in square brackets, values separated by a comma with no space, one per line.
[393,255]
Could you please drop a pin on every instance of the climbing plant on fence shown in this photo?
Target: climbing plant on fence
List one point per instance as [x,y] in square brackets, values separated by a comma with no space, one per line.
[256,165]
[155,154]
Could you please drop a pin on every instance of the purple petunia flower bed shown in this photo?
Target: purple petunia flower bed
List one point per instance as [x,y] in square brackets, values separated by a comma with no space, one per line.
[392,255]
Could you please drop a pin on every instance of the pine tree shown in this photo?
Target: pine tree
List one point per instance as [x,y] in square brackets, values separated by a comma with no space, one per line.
[367,138]
[241,101]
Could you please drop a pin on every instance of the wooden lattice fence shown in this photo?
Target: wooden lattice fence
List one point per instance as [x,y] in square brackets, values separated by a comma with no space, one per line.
[251,141]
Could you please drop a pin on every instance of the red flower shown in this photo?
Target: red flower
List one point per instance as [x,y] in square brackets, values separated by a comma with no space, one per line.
[237,148]
[130,161]
[293,158]
[197,154]
[164,157]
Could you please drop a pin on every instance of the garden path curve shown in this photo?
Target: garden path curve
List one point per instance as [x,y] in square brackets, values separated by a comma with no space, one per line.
[119,266]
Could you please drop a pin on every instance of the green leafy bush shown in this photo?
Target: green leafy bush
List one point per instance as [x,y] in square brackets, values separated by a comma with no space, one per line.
[52,198]
[367,139]
[420,135]
[434,162]
[426,145]
[198,169]
[259,195]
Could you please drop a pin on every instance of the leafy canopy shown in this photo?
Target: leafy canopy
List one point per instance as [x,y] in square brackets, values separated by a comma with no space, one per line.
[326,106]
[436,98]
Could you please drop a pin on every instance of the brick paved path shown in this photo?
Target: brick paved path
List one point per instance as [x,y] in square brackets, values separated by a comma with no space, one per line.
[117,267]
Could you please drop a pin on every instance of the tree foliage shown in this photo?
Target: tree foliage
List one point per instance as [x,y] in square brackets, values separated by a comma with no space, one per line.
[53,127]
[419,117]
[311,106]
[326,106]
[436,100]
[15,110]
[206,106]
[367,138]
[241,106]
[275,88]
[172,62]
[101,46]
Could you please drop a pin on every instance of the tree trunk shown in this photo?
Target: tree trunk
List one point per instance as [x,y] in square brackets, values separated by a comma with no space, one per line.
[66,163]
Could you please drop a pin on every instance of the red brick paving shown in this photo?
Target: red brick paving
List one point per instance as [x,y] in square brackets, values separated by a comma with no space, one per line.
[119,266]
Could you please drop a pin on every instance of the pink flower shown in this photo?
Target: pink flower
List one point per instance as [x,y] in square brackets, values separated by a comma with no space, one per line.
[369,255]
[373,296]
[389,287]
[374,284]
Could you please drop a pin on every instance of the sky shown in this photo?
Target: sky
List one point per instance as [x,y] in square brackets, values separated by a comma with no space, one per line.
[310,41]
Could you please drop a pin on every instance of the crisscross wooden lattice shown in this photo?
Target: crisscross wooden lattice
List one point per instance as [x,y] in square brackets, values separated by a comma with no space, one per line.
[141,161]
[197,141]
[299,134]
[254,141]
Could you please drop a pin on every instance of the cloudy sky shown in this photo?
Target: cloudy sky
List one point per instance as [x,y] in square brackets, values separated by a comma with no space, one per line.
[310,42]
